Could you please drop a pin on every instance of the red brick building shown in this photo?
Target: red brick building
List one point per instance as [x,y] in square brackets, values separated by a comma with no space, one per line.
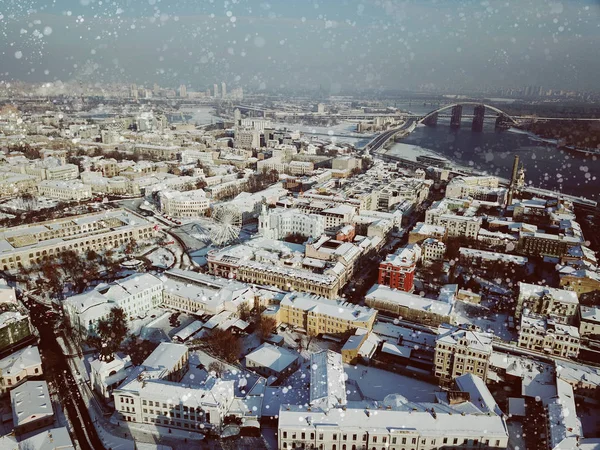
[398,270]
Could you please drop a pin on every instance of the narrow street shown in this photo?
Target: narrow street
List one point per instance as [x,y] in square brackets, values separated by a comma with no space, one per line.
[58,373]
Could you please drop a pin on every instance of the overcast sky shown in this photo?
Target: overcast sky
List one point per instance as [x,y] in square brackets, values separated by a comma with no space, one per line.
[339,44]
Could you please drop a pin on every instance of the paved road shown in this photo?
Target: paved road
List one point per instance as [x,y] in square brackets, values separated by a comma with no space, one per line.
[57,371]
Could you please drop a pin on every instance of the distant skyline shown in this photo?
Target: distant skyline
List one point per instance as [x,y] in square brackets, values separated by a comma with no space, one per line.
[287,44]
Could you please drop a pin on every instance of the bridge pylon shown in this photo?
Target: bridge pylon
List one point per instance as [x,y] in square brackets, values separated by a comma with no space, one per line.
[456,116]
[503,122]
[478,117]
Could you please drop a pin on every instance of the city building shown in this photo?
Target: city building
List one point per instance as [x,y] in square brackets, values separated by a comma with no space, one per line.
[280,223]
[589,322]
[15,328]
[24,245]
[18,367]
[272,361]
[317,315]
[106,376]
[327,381]
[477,188]
[559,304]
[422,231]
[31,407]
[455,216]
[184,204]
[53,439]
[72,190]
[432,250]
[580,281]
[545,244]
[398,269]
[135,294]
[482,259]
[409,306]
[459,351]
[548,336]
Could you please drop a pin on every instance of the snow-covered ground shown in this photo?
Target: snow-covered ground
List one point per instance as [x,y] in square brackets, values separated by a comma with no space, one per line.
[376,384]
[162,258]
[497,323]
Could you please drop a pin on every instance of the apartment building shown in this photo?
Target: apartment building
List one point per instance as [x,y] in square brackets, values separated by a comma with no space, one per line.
[548,336]
[432,250]
[152,396]
[559,304]
[318,315]
[398,269]
[580,281]
[184,204]
[478,188]
[24,245]
[455,216]
[12,184]
[545,244]
[459,351]
[73,190]
[589,322]
[161,152]
[411,307]
[482,259]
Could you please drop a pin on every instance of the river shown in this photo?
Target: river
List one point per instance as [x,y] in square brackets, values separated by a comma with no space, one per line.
[493,152]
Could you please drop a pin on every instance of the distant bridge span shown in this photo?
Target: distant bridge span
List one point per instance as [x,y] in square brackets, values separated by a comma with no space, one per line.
[443,108]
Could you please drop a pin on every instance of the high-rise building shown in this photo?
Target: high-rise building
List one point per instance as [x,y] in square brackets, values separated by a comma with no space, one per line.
[182,91]
[133,91]
[223,89]
[215,90]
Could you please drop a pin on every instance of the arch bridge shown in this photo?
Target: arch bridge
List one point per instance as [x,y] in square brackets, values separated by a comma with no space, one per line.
[503,120]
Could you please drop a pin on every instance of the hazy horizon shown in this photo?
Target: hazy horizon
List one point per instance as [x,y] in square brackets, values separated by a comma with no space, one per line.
[285,44]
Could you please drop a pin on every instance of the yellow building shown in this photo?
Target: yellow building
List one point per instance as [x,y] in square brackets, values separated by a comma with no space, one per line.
[318,315]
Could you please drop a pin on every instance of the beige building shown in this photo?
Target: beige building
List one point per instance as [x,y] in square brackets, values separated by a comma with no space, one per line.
[459,351]
[12,184]
[73,190]
[581,281]
[589,322]
[317,315]
[24,245]
[547,336]
[16,368]
[557,303]
[432,250]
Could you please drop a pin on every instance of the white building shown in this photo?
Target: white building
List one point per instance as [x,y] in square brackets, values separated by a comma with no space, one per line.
[327,381]
[452,215]
[18,367]
[560,304]
[432,250]
[184,204]
[106,376]
[135,294]
[279,223]
[7,293]
[53,439]
[478,188]
[73,190]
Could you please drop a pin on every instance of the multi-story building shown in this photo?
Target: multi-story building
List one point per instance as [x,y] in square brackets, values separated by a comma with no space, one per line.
[422,231]
[459,351]
[411,307]
[580,281]
[73,190]
[547,336]
[135,294]
[163,152]
[24,245]
[280,223]
[12,184]
[445,213]
[398,269]
[559,304]
[184,204]
[478,188]
[483,259]
[153,394]
[589,322]
[432,250]
[31,407]
[246,138]
[319,315]
[15,329]
[545,244]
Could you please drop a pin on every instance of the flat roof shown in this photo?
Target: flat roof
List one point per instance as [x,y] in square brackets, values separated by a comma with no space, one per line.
[272,357]
[30,401]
